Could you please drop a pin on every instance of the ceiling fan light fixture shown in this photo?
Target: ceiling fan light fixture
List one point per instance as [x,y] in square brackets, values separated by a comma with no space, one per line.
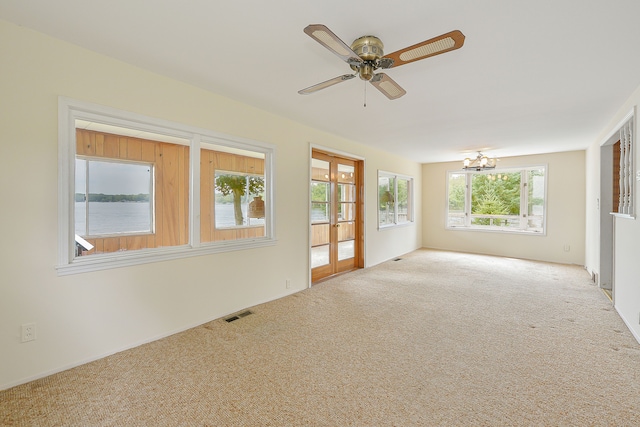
[428,49]
[366,55]
[368,48]
[365,71]
[480,163]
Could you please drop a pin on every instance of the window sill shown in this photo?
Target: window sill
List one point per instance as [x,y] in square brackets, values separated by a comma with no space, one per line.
[620,215]
[498,230]
[99,262]
[392,226]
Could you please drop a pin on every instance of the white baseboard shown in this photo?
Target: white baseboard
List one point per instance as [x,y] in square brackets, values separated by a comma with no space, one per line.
[136,344]
[628,324]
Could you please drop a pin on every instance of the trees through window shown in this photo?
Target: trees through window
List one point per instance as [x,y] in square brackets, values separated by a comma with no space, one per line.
[395,199]
[133,189]
[508,200]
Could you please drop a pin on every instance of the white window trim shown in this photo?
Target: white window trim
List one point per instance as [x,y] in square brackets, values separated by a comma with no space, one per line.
[523,204]
[632,173]
[410,201]
[69,110]
[151,192]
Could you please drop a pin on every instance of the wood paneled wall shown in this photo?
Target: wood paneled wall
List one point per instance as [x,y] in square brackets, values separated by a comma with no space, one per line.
[615,203]
[171,167]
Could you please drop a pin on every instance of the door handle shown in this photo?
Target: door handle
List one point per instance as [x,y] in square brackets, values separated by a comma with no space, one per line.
[337,225]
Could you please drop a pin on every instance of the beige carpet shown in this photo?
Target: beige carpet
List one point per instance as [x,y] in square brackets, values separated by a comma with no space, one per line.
[435,339]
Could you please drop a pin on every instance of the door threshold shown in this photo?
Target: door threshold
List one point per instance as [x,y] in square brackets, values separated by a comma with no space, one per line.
[333,276]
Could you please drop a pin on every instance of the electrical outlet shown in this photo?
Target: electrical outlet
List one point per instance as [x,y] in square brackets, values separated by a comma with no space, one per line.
[288,283]
[28,332]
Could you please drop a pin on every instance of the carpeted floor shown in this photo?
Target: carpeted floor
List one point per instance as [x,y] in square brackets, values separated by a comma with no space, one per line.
[435,339]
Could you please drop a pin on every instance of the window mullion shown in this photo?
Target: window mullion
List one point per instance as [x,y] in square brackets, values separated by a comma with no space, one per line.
[396,200]
[524,199]
[194,192]
[467,200]
[86,197]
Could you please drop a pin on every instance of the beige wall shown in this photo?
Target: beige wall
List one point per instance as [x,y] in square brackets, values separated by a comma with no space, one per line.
[626,267]
[565,213]
[86,316]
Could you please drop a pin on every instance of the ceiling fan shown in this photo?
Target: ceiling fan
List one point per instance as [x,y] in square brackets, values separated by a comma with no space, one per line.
[366,55]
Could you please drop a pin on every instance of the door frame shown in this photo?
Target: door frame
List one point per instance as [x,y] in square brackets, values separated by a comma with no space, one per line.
[361,212]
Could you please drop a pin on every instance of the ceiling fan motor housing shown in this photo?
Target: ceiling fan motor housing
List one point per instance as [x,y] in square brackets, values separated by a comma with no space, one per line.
[370,49]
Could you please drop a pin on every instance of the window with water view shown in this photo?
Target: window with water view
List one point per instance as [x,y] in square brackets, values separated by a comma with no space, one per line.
[113,197]
[134,190]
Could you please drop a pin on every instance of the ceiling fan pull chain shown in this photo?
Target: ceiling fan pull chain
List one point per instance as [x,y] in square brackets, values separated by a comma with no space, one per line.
[365,94]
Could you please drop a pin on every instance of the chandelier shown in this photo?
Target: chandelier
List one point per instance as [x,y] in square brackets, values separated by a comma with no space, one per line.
[480,163]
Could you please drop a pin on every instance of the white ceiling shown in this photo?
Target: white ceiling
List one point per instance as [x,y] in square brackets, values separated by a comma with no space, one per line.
[532,77]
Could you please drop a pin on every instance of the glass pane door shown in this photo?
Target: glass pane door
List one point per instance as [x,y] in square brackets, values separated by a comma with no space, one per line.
[334,215]
[320,213]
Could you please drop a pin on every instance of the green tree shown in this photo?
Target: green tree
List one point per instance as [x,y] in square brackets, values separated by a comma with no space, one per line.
[238,186]
[457,187]
[490,204]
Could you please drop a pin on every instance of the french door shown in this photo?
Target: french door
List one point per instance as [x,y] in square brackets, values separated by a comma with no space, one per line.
[336,215]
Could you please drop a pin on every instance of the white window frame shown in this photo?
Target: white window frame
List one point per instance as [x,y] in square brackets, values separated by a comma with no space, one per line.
[70,110]
[246,175]
[410,199]
[151,193]
[523,202]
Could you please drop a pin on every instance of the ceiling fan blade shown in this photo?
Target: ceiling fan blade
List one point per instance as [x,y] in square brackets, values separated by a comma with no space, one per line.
[387,86]
[435,46]
[319,86]
[326,38]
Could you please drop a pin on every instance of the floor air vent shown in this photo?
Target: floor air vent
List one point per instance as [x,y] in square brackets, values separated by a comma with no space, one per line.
[238,316]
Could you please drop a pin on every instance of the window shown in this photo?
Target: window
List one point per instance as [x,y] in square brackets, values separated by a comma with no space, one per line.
[113,197]
[395,199]
[235,194]
[623,172]
[507,200]
[129,188]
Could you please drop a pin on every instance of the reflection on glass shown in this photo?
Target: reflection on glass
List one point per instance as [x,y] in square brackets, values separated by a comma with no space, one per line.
[319,212]
[319,170]
[346,250]
[346,192]
[346,173]
[319,256]
[346,211]
[320,191]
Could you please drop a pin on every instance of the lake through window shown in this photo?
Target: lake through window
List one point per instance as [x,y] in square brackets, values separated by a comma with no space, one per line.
[113,197]
[134,189]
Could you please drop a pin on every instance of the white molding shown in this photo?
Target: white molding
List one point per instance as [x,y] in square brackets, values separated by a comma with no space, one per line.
[616,129]
[192,325]
[352,156]
[628,324]
[621,215]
